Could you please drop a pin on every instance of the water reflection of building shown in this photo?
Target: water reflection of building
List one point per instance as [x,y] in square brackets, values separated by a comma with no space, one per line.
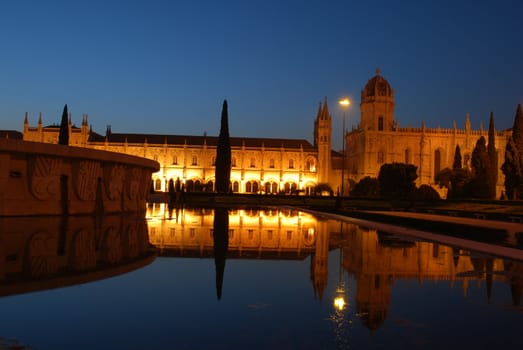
[41,253]
[253,234]
[375,259]
[379,259]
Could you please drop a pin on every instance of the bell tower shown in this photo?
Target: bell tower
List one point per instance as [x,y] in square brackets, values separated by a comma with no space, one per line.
[377,105]
[322,140]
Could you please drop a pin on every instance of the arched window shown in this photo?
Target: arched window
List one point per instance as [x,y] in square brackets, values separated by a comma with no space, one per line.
[274,187]
[437,162]
[380,123]
[235,186]
[158,185]
[407,156]
[248,187]
[255,187]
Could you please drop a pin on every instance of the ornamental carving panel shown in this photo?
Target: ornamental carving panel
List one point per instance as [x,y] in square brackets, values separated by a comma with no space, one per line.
[83,253]
[85,177]
[114,176]
[40,254]
[44,177]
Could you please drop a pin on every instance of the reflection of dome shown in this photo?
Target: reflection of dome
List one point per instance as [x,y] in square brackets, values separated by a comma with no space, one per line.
[377,86]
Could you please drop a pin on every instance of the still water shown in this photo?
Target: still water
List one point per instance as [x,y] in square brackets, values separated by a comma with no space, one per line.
[246,279]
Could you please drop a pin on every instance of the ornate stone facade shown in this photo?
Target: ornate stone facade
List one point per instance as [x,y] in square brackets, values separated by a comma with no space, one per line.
[378,139]
[265,165]
[259,165]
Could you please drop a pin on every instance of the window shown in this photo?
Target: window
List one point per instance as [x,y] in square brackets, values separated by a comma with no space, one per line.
[271,163]
[233,161]
[158,185]
[251,187]
[380,123]
[253,163]
[291,163]
[310,165]
[407,156]
[213,161]
[175,159]
[235,186]
[194,160]
[231,233]
[250,234]
[269,235]
[192,232]
[381,158]
[172,232]
[155,157]
[437,162]
[289,235]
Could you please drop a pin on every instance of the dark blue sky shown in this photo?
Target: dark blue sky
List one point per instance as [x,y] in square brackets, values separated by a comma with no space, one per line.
[166,66]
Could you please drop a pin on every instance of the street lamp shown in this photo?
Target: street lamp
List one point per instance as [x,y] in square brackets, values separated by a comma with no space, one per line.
[344,103]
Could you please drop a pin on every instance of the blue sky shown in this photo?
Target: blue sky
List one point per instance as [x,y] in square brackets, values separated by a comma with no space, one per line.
[166,66]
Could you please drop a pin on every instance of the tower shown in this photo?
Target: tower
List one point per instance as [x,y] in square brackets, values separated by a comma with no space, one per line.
[322,140]
[377,105]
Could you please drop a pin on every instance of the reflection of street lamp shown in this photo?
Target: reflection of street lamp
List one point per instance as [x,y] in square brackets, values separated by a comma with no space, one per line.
[344,103]
[339,298]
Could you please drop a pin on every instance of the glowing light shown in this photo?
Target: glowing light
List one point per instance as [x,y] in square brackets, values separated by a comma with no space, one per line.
[345,102]
[339,303]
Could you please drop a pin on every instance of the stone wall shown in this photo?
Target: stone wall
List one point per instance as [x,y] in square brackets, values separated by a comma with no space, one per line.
[48,179]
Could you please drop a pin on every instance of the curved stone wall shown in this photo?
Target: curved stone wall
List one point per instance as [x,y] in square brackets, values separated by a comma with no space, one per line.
[48,179]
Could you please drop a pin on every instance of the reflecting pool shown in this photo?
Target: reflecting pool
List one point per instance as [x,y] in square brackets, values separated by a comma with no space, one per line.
[257,279]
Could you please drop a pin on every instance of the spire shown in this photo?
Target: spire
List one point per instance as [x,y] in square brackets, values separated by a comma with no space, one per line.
[467,122]
[325,113]
[378,71]
[25,119]
[40,118]
[318,116]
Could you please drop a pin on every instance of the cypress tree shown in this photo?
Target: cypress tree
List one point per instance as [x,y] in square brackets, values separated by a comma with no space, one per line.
[457,158]
[517,130]
[512,170]
[223,154]
[63,136]
[493,158]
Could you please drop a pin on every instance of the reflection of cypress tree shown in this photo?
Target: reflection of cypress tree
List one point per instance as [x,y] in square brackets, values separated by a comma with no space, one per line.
[221,243]
[63,136]
[223,154]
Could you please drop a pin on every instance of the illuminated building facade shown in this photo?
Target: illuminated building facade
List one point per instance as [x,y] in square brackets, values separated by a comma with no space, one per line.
[378,139]
[265,165]
[259,165]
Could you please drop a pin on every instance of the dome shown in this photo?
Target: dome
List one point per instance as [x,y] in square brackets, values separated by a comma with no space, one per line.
[377,86]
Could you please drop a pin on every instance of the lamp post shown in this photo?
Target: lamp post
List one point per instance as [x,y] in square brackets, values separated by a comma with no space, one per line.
[344,103]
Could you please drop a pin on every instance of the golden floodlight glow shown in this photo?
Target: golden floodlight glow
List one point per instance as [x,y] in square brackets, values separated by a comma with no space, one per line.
[339,303]
[344,102]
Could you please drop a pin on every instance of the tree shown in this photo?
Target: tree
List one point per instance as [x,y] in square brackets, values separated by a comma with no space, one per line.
[511,168]
[517,130]
[396,180]
[63,136]
[478,186]
[492,173]
[366,187]
[457,158]
[426,193]
[223,154]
